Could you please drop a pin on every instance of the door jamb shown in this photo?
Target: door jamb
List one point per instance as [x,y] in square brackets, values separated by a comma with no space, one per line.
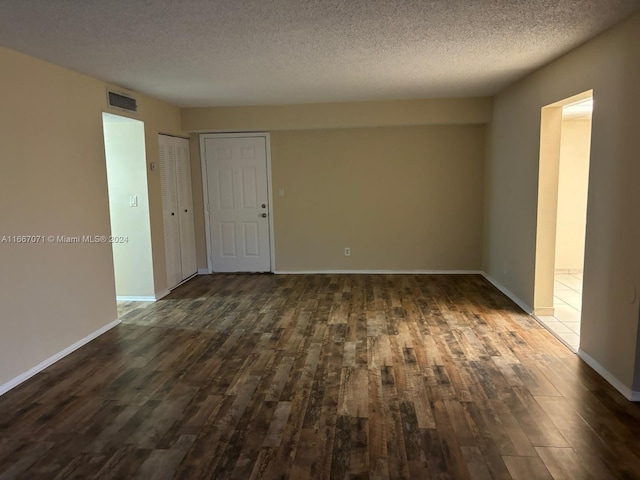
[205,191]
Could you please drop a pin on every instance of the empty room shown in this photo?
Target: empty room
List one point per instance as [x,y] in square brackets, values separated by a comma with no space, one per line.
[319,240]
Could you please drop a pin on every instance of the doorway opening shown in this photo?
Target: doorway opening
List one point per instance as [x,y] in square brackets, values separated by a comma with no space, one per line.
[565,142]
[128,207]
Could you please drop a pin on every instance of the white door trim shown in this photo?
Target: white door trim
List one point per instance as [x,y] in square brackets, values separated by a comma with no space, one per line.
[205,190]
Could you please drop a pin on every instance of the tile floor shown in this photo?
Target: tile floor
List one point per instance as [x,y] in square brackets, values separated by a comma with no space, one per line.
[565,323]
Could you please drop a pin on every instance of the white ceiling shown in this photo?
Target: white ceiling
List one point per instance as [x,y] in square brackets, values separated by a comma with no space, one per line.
[250,52]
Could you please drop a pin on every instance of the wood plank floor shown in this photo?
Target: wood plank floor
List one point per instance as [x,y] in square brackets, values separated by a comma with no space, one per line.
[317,377]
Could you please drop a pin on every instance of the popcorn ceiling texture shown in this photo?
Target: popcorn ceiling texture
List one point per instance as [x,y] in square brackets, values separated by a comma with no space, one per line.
[244,52]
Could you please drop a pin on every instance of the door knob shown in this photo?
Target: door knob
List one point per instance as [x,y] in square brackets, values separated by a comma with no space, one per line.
[264,215]
[264,205]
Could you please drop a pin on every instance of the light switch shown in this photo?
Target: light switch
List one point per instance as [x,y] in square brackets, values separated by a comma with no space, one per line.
[281,192]
[133,201]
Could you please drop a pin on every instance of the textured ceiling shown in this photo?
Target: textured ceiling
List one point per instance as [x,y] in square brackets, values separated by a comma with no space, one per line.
[243,52]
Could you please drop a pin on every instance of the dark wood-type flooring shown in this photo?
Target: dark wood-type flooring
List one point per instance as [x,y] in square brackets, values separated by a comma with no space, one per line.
[317,377]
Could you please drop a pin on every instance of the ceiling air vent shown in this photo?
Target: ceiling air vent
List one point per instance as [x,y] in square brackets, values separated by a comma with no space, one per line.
[121,101]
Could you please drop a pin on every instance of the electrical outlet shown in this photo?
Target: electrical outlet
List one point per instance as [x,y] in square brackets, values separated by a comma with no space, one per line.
[347,251]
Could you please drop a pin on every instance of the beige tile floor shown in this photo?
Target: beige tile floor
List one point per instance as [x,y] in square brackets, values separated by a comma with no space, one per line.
[565,323]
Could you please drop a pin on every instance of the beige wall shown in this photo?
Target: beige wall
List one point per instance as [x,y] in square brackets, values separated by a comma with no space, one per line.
[53,182]
[438,111]
[400,198]
[573,180]
[405,195]
[609,65]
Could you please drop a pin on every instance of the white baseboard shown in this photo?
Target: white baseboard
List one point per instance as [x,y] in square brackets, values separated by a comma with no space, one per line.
[377,272]
[162,294]
[626,392]
[204,271]
[150,298]
[528,310]
[143,298]
[53,359]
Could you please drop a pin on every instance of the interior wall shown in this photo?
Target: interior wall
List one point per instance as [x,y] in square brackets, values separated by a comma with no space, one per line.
[575,146]
[337,140]
[400,198]
[53,181]
[608,65]
[433,111]
[127,175]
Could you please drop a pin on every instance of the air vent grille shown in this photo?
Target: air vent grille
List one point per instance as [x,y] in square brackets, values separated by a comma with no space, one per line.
[118,100]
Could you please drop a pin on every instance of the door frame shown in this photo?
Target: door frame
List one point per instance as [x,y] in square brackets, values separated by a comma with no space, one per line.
[547,203]
[205,190]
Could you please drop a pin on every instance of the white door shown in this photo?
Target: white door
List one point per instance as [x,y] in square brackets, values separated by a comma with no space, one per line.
[177,207]
[185,208]
[170,210]
[236,181]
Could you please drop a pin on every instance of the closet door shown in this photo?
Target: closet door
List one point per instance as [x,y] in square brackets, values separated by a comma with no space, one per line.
[170,210]
[177,208]
[185,207]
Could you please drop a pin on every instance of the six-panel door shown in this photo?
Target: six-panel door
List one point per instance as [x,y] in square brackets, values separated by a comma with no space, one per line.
[238,204]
